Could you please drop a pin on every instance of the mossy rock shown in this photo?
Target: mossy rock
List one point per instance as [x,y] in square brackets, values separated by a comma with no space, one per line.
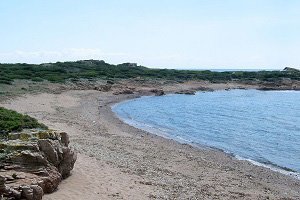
[3,156]
[3,145]
[13,136]
[10,146]
[25,136]
[21,147]
[25,141]
[31,135]
[49,134]
[20,136]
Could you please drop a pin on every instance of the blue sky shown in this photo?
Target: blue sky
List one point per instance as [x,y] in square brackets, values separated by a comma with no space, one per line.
[157,33]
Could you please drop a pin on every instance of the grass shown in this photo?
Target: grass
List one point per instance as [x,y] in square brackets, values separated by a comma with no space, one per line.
[12,121]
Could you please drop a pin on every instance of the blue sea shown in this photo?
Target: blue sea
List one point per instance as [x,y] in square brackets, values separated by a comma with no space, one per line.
[259,126]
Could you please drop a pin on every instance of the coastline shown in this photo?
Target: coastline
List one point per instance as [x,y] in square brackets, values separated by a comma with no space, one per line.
[163,133]
[119,161]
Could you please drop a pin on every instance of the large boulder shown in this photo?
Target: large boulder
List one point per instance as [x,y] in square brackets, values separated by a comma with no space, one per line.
[34,162]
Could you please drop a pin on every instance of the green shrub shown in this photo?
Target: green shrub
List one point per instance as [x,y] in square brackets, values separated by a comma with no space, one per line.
[37,79]
[61,71]
[12,121]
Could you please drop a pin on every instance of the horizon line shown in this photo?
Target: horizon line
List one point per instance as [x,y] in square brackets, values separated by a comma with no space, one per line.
[232,68]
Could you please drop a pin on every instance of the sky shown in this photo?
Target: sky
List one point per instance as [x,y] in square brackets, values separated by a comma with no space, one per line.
[197,34]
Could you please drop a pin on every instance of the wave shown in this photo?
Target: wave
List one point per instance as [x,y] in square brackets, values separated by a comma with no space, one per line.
[272,166]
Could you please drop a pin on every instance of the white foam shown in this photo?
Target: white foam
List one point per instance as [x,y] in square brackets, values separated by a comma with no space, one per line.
[273,168]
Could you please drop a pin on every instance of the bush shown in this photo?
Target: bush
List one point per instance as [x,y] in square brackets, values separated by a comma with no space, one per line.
[12,121]
[61,71]
[37,79]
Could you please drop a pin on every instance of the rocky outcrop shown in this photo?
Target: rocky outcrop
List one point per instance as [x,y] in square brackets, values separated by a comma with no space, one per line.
[103,88]
[33,163]
[193,91]
[188,92]
[158,92]
[290,69]
[284,84]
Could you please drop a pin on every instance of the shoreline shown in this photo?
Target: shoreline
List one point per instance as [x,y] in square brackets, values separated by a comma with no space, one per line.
[118,161]
[161,133]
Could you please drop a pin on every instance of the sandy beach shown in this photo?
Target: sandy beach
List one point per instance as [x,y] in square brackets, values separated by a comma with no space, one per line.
[117,161]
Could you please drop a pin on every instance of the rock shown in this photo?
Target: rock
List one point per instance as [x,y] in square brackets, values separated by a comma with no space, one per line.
[206,89]
[103,88]
[9,193]
[69,158]
[128,65]
[16,194]
[289,69]
[124,91]
[50,183]
[37,192]
[158,92]
[27,192]
[41,158]
[28,158]
[110,82]
[65,138]
[187,92]
[2,185]
[47,147]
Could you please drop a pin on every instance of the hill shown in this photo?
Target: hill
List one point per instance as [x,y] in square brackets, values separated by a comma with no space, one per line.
[95,69]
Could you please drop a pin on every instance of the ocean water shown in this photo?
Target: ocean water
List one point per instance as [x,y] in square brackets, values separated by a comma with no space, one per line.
[261,126]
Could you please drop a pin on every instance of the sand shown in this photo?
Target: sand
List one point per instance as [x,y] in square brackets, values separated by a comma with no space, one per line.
[117,161]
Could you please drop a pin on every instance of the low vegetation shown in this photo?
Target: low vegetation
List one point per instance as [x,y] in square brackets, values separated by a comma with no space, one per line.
[94,69]
[12,121]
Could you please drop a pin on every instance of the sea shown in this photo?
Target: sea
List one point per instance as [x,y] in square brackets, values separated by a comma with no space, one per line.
[262,127]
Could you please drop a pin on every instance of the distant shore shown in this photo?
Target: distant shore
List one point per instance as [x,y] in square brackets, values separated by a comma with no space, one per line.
[119,161]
